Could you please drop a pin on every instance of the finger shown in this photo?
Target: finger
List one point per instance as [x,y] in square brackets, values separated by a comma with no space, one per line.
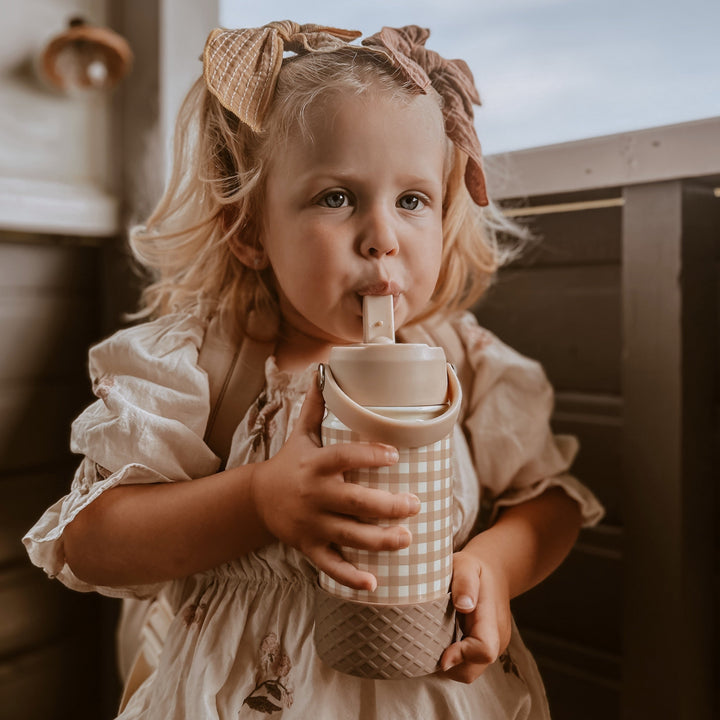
[331,562]
[481,640]
[369,503]
[340,457]
[481,643]
[464,663]
[468,658]
[465,585]
[348,532]
[480,646]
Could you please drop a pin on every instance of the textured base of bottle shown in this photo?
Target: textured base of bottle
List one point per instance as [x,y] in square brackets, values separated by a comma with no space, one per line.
[383,641]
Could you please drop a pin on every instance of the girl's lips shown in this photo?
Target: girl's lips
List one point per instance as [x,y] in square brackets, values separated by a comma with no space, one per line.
[383,287]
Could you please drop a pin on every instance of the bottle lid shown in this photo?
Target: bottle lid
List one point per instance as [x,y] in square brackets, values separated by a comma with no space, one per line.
[381,373]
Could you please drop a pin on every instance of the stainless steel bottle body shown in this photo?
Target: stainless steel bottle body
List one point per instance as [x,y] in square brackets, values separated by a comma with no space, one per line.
[422,571]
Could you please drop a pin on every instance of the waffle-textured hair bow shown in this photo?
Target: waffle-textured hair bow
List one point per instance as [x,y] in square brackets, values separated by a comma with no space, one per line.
[241,69]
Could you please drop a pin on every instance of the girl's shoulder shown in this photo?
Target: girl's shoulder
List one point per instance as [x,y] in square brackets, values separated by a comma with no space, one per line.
[151,392]
[481,359]
[167,341]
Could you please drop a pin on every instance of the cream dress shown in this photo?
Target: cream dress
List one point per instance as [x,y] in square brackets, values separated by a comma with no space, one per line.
[240,645]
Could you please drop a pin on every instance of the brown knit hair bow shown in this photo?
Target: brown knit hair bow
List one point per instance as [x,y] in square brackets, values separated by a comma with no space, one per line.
[241,69]
[241,66]
[452,79]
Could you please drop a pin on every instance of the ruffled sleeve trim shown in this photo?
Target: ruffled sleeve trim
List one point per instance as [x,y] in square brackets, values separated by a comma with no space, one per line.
[591,509]
[154,401]
[507,424]
[146,426]
[44,542]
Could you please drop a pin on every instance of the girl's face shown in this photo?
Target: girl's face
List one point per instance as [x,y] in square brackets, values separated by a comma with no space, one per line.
[354,211]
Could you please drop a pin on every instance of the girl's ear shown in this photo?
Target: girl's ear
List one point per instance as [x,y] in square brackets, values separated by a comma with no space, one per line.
[245,244]
[250,253]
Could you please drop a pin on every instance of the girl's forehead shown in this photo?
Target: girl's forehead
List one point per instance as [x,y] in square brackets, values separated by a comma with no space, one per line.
[359,134]
[373,110]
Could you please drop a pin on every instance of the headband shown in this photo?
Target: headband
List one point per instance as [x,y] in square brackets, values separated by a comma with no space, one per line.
[241,67]
[452,80]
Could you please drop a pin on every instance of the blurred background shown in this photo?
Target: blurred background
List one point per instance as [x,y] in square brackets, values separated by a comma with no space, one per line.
[549,71]
[601,128]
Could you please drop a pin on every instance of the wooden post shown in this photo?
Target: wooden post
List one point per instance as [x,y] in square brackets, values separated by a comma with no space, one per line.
[669,369]
[167,37]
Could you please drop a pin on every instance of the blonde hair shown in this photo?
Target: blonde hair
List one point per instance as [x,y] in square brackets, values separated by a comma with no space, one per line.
[214,198]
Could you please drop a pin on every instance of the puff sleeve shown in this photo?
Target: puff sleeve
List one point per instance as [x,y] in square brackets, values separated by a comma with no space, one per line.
[146,426]
[507,426]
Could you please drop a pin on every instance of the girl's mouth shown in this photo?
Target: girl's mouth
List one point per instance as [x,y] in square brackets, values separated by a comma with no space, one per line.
[382,287]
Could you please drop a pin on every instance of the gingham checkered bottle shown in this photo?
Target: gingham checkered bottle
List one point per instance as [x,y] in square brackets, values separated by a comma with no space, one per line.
[407,396]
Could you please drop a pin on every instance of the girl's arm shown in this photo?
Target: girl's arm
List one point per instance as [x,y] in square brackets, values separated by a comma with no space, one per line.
[139,534]
[526,543]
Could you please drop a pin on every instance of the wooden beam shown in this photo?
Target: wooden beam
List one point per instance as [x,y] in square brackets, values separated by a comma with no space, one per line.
[670,326]
[167,37]
[184,27]
[657,154]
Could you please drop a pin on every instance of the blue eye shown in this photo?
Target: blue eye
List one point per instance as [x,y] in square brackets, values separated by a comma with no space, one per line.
[335,199]
[410,202]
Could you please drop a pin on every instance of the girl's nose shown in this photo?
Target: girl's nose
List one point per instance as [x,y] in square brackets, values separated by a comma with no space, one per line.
[378,238]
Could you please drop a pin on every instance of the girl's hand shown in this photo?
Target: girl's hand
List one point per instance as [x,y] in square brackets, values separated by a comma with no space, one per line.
[524,545]
[480,593]
[302,498]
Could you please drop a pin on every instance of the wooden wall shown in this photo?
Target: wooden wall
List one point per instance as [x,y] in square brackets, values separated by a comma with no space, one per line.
[618,304]
[51,659]
[46,135]
[74,172]
[55,201]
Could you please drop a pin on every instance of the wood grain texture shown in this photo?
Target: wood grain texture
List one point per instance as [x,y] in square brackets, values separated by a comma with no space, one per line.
[567,318]
[27,495]
[36,611]
[581,602]
[589,237]
[43,684]
[669,370]
[623,159]
[596,421]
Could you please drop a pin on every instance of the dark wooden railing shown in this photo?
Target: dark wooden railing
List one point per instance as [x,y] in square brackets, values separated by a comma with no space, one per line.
[619,300]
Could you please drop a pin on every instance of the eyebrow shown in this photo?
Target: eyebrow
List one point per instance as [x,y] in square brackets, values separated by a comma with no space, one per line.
[342,176]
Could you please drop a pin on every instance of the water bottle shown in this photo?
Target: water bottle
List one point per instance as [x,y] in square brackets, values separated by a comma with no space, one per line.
[408,396]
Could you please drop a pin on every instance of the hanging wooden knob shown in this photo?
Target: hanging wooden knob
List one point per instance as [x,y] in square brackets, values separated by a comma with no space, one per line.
[86,57]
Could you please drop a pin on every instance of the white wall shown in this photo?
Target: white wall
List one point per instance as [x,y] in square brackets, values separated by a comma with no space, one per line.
[54,159]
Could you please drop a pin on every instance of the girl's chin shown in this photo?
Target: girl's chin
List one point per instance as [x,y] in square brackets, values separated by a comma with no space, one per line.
[345,335]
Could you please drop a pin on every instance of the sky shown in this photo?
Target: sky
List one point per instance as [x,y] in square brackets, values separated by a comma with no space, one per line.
[549,71]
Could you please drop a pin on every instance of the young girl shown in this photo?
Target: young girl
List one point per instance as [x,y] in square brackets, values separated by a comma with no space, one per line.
[303,182]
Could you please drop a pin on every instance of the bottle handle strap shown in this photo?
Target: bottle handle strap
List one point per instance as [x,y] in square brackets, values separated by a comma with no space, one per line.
[374,427]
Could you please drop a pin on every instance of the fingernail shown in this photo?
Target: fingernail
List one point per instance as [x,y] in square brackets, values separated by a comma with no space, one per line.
[392,455]
[447,665]
[414,504]
[404,537]
[464,602]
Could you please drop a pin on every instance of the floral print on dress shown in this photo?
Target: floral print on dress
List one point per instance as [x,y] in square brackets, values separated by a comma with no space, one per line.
[273,690]
[195,614]
[103,385]
[262,422]
[101,473]
[508,664]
